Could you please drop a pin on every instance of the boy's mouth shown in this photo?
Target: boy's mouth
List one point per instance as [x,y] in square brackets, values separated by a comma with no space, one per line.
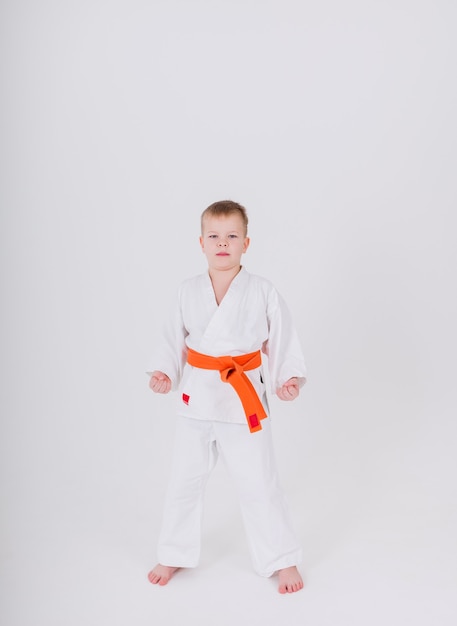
[222,254]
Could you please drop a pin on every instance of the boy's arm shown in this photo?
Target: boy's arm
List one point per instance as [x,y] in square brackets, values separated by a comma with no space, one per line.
[285,356]
[170,354]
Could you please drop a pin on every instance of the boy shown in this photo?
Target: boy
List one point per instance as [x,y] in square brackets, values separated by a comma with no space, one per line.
[212,348]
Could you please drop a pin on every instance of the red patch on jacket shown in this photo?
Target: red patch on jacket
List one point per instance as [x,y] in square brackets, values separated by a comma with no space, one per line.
[185,398]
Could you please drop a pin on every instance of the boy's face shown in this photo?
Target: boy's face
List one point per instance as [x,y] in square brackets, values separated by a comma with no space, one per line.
[223,241]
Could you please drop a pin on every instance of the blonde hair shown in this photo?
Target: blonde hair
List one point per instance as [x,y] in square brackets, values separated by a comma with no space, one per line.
[224,208]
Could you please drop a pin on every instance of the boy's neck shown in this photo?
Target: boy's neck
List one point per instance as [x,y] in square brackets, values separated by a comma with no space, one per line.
[223,277]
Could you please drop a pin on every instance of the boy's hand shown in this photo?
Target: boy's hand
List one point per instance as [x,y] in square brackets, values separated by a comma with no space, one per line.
[289,391]
[159,382]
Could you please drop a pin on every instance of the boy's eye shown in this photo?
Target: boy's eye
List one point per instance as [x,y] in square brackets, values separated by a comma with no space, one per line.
[233,236]
[212,236]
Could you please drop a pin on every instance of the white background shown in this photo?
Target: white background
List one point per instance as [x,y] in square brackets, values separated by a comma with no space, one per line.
[334,123]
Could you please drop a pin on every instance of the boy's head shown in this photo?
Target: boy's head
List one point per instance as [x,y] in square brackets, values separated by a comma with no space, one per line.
[224,235]
[224,208]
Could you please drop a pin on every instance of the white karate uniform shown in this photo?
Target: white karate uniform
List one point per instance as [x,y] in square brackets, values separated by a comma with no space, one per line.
[252,316]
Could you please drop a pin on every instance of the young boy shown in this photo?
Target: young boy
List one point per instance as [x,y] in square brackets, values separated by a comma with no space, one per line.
[212,349]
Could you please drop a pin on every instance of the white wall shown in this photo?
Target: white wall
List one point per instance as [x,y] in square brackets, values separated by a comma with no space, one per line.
[334,124]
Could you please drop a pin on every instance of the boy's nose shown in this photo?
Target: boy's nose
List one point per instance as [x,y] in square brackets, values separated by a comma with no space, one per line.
[222,242]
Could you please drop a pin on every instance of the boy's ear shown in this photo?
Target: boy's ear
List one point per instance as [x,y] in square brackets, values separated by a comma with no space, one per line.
[201,241]
[247,241]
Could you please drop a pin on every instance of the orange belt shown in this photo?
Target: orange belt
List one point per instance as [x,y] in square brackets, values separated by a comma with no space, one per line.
[231,369]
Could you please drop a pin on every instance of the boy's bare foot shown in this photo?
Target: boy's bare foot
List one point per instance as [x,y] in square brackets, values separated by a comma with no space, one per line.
[161,574]
[289,580]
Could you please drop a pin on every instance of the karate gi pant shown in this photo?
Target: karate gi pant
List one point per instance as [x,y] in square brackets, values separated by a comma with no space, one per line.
[249,458]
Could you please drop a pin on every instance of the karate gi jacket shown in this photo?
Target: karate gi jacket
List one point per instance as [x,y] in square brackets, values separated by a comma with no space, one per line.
[252,316]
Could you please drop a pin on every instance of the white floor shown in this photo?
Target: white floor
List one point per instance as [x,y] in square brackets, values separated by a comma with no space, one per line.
[82,560]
